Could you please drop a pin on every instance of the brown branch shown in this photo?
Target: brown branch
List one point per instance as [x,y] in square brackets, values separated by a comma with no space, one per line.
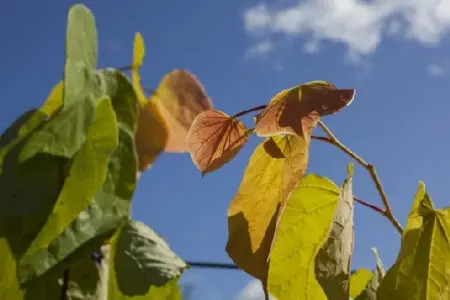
[370,168]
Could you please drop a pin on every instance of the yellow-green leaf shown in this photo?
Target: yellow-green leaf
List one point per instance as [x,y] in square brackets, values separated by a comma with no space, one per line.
[91,161]
[274,169]
[54,100]
[138,60]
[421,271]
[303,229]
[333,261]
[359,281]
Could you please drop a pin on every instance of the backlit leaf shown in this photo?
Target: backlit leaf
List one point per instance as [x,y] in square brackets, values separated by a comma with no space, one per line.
[303,229]
[274,169]
[370,292]
[215,139]
[421,271]
[180,97]
[333,260]
[64,134]
[151,133]
[298,109]
[138,251]
[358,281]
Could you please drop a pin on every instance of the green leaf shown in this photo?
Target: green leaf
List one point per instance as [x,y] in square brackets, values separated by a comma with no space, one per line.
[421,270]
[303,229]
[370,292]
[91,163]
[85,280]
[136,249]
[65,133]
[333,261]
[18,131]
[359,281]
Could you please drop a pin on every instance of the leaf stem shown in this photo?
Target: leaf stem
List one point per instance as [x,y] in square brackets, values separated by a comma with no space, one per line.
[370,168]
[210,265]
[244,112]
[65,285]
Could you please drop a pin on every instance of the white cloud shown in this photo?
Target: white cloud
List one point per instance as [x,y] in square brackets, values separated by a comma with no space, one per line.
[435,70]
[358,24]
[259,49]
[252,291]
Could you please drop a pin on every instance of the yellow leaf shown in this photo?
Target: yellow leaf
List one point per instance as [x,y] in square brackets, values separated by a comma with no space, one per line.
[274,169]
[138,58]
[359,281]
[151,132]
[421,271]
[303,229]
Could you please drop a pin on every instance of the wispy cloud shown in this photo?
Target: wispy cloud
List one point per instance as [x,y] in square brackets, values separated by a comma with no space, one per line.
[358,24]
[435,70]
[252,291]
[260,48]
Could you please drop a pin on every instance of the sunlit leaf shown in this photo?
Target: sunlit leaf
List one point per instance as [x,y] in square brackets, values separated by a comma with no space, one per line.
[298,109]
[303,229]
[138,60]
[215,139]
[138,251]
[359,281]
[421,271]
[151,133]
[54,101]
[333,261]
[180,97]
[91,161]
[370,292]
[64,134]
[274,169]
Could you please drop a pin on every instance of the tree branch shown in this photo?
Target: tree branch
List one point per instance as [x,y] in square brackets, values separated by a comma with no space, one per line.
[370,168]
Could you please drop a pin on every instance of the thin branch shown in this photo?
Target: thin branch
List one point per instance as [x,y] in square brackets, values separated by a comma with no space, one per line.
[371,169]
[371,206]
[210,265]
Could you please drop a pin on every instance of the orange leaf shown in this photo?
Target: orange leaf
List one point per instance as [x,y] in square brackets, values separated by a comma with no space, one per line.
[214,139]
[150,135]
[298,109]
[274,169]
[180,97]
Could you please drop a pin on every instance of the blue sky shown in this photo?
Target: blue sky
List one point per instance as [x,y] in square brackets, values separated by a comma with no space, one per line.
[395,53]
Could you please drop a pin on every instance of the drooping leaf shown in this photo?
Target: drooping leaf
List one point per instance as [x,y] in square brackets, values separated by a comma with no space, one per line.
[303,229]
[151,134]
[65,133]
[274,169]
[91,161]
[180,97]
[138,250]
[421,269]
[359,281]
[333,261]
[214,139]
[296,110]
[370,292]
